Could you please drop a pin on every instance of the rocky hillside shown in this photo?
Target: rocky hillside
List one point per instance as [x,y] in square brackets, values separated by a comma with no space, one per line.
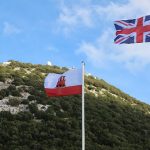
[31,120]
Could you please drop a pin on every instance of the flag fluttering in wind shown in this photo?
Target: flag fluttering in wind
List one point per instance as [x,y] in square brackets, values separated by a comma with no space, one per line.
[133,30]
[68,83]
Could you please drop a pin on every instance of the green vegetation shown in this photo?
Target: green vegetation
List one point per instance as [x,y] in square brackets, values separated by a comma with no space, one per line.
[14,102]
[112,122]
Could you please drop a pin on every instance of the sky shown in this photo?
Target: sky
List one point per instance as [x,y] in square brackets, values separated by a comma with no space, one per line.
[66,32]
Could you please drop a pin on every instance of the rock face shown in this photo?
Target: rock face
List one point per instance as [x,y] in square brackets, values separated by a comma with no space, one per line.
[14,110]
[5,102]
[6,63]
[3,85]
[24,94]
[20,87]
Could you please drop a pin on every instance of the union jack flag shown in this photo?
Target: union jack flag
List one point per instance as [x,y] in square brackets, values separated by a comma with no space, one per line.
[133,30]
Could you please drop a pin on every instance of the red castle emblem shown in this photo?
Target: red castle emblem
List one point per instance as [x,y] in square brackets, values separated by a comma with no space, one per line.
[61,82]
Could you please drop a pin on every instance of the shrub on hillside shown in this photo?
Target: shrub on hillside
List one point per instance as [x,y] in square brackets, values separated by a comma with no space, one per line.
[18,81]
[4,93]
[15,93]
[1,97]
[33,108]
[25,101]
[31,97]
[11,87]
[2,77]
[14,102]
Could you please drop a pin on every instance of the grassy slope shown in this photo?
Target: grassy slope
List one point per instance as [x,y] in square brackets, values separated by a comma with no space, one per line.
[112,123]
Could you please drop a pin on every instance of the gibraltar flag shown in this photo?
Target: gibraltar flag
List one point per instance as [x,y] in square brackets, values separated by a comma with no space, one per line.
[68,83]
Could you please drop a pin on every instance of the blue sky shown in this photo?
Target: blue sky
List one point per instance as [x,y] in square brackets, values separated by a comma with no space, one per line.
[67,32]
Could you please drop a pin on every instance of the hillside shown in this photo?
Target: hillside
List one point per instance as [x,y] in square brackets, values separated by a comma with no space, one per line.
[31,120]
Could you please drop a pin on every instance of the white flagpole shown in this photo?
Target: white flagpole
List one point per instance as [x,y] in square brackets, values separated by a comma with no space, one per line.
[83,113]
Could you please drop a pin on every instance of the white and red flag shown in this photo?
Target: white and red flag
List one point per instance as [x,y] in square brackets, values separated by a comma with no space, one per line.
[68,83]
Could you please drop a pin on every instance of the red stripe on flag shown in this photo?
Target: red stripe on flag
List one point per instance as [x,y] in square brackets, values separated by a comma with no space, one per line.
[64,91]
[139,30]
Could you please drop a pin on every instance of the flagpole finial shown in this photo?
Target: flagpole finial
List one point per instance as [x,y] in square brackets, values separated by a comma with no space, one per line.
[83,62]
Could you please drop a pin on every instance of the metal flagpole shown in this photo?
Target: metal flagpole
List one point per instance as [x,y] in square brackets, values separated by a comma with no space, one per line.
[83,113]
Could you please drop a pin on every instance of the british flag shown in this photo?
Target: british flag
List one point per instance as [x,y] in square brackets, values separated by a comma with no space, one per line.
[133,30]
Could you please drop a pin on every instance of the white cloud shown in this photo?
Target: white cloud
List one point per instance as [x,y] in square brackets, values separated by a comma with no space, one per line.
[87,13]
[128,10]
[52,48]
[134,56]
[10,29]
[96,52]
[71,17]
[103,51]
[93,53]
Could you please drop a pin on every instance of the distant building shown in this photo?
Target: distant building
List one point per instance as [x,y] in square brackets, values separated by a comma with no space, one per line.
[49,63]
[6,63]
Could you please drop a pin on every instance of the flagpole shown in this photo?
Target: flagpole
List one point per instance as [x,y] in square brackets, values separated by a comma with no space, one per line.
[83,109]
